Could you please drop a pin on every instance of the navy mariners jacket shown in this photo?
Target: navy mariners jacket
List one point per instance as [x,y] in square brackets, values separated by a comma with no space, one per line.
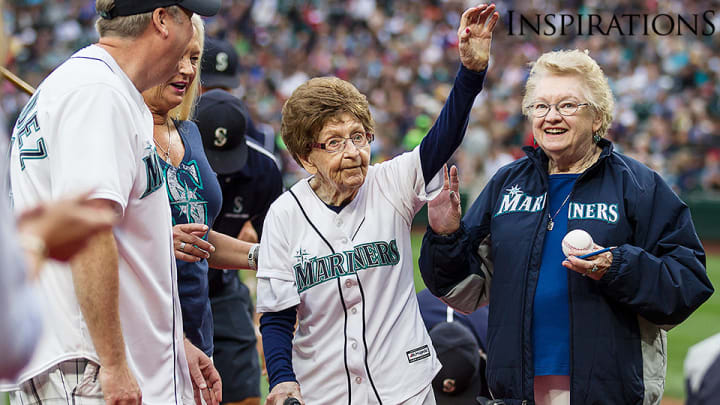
[657,276]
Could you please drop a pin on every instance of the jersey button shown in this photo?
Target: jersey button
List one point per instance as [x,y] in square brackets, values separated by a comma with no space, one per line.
[354,310]
[354,345]
[344,240]
[339,222]
[358,380]
[348,283]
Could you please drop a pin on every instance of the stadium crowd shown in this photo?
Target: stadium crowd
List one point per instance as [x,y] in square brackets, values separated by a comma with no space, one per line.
[401,54]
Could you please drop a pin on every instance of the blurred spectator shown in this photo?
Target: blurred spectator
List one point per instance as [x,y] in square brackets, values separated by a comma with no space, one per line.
[460,380]
[456,351]
[702,372]
[396,52]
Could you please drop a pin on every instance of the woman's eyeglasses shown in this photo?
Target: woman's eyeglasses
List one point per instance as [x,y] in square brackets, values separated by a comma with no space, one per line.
[338,144]
[565,108]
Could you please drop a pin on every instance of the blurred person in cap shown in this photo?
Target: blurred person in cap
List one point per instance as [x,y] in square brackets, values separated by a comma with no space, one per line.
[434,311]
[250,180]
[460,380]
[220,64]
[113,331]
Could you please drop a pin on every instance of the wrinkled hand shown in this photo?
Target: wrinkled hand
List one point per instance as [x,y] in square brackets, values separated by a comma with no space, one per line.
[602,261]
[119,386]
[444,211]
[283,391]
[189,243]
[66,225]
[205,378]
[475,36]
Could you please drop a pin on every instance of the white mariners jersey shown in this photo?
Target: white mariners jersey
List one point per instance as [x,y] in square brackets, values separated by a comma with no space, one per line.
[87,127]
[360,337]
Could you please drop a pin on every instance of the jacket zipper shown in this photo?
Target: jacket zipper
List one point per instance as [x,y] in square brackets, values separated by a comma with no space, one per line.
[570,300]
[538,227]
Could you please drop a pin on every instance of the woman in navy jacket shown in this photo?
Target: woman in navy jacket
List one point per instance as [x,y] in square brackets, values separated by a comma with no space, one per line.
[565,330]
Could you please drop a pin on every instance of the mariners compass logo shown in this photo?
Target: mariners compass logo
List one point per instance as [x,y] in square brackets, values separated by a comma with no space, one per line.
[515,200]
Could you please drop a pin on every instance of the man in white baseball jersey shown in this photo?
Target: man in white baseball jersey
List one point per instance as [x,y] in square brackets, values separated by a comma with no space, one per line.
[336,251]
[113,331]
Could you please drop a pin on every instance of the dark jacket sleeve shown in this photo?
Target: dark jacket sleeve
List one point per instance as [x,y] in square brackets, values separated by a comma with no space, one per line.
[662,277]
[445,261]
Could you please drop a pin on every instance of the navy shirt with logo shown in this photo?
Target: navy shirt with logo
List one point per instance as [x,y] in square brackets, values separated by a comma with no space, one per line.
[195,197]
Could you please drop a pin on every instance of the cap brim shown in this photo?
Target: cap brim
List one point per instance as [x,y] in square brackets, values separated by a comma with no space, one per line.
[216,80]
[466,397]
[227,161]
[205,8]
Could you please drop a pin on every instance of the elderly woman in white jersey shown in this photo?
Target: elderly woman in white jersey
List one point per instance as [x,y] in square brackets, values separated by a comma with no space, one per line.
[336,253]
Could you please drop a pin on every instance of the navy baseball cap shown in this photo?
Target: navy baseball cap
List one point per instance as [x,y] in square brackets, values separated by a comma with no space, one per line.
[222,123]
[459,380]
[219,64]
[121,8]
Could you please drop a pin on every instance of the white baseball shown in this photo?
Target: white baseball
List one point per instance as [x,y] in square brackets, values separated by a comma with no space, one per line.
[577,243]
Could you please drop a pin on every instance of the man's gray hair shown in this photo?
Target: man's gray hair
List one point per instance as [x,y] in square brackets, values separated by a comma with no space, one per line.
[126,26]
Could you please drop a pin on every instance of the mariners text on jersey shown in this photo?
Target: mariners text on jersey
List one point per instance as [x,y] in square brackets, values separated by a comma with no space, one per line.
[317,270]
[515,200]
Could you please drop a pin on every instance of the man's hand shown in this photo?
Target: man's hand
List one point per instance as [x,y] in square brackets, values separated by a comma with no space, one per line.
[475,36]
[119,386]
[283,391]
[444,211]
[204,376]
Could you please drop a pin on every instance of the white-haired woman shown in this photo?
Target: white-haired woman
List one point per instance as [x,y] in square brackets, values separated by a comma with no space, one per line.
[592,335]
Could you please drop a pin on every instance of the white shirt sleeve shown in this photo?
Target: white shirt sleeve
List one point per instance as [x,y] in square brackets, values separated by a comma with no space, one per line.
[276,287]
[95,146]
[401,181]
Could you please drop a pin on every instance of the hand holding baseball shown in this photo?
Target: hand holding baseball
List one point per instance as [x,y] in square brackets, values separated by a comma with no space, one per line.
[577,243]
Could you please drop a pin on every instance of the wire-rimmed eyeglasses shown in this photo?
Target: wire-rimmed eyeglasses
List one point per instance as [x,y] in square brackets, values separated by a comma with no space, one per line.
[565,108]
[339,143]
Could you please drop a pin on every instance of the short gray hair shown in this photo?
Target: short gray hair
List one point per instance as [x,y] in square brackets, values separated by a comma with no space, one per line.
[130,26]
